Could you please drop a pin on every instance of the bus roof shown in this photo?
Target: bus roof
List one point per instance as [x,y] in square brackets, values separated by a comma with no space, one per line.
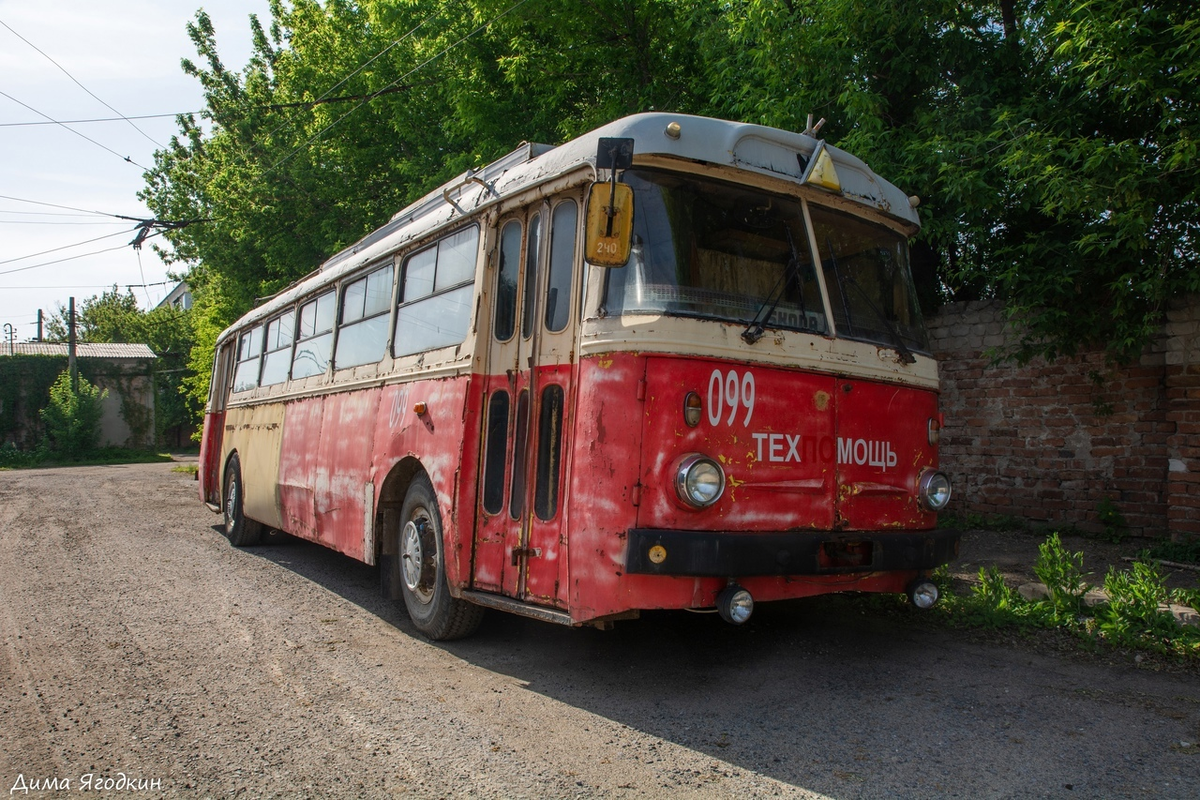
[755,148]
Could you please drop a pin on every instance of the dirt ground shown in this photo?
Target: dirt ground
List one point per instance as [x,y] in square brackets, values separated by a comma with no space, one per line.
[136,644]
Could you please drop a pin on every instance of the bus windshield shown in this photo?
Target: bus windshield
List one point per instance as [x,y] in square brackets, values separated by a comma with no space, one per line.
[715,250]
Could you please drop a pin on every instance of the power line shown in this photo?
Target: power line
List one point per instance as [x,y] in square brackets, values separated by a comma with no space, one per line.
[94,119]
[77,133]
[66,247]
[44,213]
[55,205]
[48,222]
[141,272]
[62,260]
[320,101]
[80,85]
[92,286]
[325,98]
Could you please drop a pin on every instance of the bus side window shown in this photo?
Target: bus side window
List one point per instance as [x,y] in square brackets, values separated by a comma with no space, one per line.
[365,305]
[314,339]
[563,232]
[494,455]
[506,281]
[435,297]
[531,260]
[279,349]
[249,352]
[516,497]
[545,501]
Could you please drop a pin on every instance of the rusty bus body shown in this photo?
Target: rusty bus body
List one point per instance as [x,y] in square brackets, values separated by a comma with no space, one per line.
[462,399]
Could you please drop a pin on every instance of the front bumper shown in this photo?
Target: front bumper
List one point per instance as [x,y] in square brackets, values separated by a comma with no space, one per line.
[728,554]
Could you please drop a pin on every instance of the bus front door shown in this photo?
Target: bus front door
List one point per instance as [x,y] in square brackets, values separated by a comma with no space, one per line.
[520,542]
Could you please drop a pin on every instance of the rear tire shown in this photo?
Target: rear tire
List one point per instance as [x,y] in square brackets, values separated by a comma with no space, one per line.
[421,563]
[241,531]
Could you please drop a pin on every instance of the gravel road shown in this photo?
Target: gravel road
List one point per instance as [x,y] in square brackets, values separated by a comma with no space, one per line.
[138,643]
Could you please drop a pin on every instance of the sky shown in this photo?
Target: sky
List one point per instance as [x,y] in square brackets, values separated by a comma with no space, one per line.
[58,190]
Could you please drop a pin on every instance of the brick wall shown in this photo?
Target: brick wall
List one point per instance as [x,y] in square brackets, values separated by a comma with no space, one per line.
[1050,441]
[1182,382]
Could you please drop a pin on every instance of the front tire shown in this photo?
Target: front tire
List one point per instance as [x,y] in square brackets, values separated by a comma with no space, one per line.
[241,531]
[433,610]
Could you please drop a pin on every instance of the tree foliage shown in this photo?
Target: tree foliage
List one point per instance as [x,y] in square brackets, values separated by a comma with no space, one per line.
[72,418]
[113,316]
[1053,142]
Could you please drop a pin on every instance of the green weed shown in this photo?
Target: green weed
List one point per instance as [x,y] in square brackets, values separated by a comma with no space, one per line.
[1131,619]
[1132,613]
[1062,573]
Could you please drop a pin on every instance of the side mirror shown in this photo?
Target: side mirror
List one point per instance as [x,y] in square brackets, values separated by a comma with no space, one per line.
[609,232]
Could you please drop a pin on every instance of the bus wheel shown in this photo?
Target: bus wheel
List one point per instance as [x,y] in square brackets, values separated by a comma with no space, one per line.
[242,532]
[433,610]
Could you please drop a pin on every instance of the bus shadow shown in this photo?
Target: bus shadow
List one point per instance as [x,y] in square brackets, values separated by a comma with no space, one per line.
[824,694]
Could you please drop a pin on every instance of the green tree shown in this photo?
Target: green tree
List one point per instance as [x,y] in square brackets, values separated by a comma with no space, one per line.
[170,332]
[72,417]
[349,111]
[1053,143]
[107,317]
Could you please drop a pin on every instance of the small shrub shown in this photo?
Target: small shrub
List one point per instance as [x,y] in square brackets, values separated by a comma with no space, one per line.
[72,418]
[1134,597]
[1062,572]
[992,591]
[1186,597]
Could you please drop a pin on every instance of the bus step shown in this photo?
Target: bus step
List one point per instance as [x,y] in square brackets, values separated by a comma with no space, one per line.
[517,607]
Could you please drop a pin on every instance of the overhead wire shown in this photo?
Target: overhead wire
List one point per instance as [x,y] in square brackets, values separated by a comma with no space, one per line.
[49,222]
[34,123]
[94,286]
[77,133]
[56,205]
[44,213]
[391,87]
[67,247]
[142,272]
[80,85]
[62,260]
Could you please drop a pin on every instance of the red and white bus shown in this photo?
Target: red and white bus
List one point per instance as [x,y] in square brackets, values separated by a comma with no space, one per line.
[676,363]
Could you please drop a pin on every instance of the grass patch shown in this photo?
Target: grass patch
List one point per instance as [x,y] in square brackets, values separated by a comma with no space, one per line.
[12,458]
[186,469]
[984,522]
[1186,551]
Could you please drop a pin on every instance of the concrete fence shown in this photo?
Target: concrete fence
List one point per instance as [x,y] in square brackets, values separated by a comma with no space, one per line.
[1058,443]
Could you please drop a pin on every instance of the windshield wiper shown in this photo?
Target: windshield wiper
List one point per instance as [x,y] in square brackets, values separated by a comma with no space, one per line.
[754,329]
[906,355]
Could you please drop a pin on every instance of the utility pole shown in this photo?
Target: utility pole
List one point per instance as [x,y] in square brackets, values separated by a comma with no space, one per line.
[39,325]
[71,349]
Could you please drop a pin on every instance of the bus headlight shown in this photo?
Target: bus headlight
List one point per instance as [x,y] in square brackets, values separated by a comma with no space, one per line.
[699,481]
[933,490]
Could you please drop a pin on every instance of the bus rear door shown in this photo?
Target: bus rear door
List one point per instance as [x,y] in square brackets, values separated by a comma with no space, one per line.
[214,427]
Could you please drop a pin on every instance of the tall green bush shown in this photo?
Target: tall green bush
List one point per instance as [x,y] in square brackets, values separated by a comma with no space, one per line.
[72,418]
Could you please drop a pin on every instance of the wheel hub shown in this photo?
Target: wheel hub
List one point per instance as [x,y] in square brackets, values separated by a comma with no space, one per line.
[230,507]
[416,558]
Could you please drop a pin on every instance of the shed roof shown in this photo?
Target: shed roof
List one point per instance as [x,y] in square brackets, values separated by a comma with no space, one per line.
[82,350]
